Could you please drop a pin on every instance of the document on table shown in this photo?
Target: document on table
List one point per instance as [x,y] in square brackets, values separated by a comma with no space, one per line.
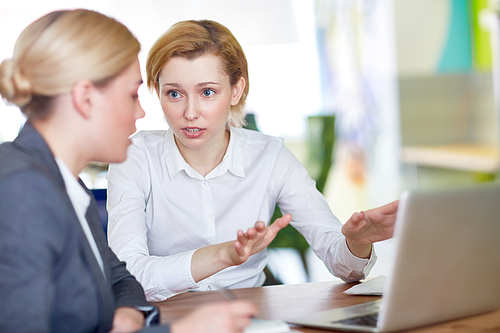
[267,326]
[373,286]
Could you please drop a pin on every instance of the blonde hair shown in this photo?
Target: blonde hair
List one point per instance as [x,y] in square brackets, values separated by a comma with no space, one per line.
[191,39]
[61,48]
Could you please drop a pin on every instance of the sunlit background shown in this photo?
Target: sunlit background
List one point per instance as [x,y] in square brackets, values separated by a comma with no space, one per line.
[401,93]
[277,36]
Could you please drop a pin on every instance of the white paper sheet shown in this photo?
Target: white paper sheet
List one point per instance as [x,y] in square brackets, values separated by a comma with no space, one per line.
[373,286]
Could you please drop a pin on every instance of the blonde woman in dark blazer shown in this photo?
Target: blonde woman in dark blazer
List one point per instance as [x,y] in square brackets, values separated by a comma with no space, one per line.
[75,75]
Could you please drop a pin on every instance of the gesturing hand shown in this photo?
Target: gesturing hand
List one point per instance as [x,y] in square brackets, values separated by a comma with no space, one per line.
[257,238]
[366,228]
[211,259]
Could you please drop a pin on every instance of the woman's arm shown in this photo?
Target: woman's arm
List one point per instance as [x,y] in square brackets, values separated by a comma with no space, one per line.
[128,191]
[313,218]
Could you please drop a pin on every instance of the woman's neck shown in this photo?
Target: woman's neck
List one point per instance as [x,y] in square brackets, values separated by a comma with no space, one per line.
[204,159]
[62,144]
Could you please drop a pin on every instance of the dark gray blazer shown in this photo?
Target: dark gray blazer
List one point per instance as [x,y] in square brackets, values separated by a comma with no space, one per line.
[50,280]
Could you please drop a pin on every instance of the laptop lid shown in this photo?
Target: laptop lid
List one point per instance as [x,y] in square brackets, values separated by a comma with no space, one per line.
[447,257]
[446,262]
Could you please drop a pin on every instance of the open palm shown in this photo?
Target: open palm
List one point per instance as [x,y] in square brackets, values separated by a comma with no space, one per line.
[373,225]
[257,238]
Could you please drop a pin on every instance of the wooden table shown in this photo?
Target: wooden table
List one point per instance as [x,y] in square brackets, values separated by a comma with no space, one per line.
[288,301]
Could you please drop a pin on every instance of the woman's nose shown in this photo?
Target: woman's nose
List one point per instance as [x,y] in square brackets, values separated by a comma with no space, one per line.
[139,112]
[191,112]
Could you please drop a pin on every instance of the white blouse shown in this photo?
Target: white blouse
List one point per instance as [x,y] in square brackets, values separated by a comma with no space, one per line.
[81,202]
[161,210]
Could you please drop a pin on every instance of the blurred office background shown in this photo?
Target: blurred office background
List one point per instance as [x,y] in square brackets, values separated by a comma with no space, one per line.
[373,96]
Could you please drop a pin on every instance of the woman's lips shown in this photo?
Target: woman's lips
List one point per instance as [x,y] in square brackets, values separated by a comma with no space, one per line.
[193,132]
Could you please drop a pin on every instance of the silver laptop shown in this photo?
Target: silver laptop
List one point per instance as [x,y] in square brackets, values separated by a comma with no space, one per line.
[446,264]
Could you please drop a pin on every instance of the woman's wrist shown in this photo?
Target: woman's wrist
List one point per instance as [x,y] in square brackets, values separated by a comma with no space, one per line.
[227,254]
[362,251]
[211,259]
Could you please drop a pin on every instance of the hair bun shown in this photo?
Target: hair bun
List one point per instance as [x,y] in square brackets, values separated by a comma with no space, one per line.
[14,87]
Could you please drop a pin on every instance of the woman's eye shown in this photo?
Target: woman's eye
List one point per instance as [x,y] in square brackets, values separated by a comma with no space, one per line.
[208,92]
[173,94]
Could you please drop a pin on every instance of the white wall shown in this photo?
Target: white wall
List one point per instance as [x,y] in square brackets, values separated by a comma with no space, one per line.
[276,35]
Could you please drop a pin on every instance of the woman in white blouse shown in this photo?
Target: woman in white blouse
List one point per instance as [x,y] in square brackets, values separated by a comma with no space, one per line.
[180,202]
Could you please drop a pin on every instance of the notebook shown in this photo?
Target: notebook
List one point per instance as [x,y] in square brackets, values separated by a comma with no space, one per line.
[446,264]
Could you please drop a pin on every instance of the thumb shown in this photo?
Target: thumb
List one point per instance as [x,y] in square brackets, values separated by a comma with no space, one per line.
[281,222]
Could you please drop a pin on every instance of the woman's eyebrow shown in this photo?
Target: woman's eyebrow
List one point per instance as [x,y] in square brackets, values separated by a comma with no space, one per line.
[173,84]
[203,84]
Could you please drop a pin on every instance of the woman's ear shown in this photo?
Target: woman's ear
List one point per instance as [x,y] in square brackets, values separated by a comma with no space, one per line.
[82,96]
[238,91]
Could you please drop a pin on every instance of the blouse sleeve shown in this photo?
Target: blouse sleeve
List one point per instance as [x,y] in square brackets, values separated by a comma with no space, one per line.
[129,190]
[297,194]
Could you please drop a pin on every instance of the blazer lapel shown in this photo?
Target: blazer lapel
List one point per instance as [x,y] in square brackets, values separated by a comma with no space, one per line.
[103,280]
[94,221]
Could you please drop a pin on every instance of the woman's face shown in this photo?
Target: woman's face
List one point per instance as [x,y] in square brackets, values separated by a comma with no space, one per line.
[118,109]
[196,98]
